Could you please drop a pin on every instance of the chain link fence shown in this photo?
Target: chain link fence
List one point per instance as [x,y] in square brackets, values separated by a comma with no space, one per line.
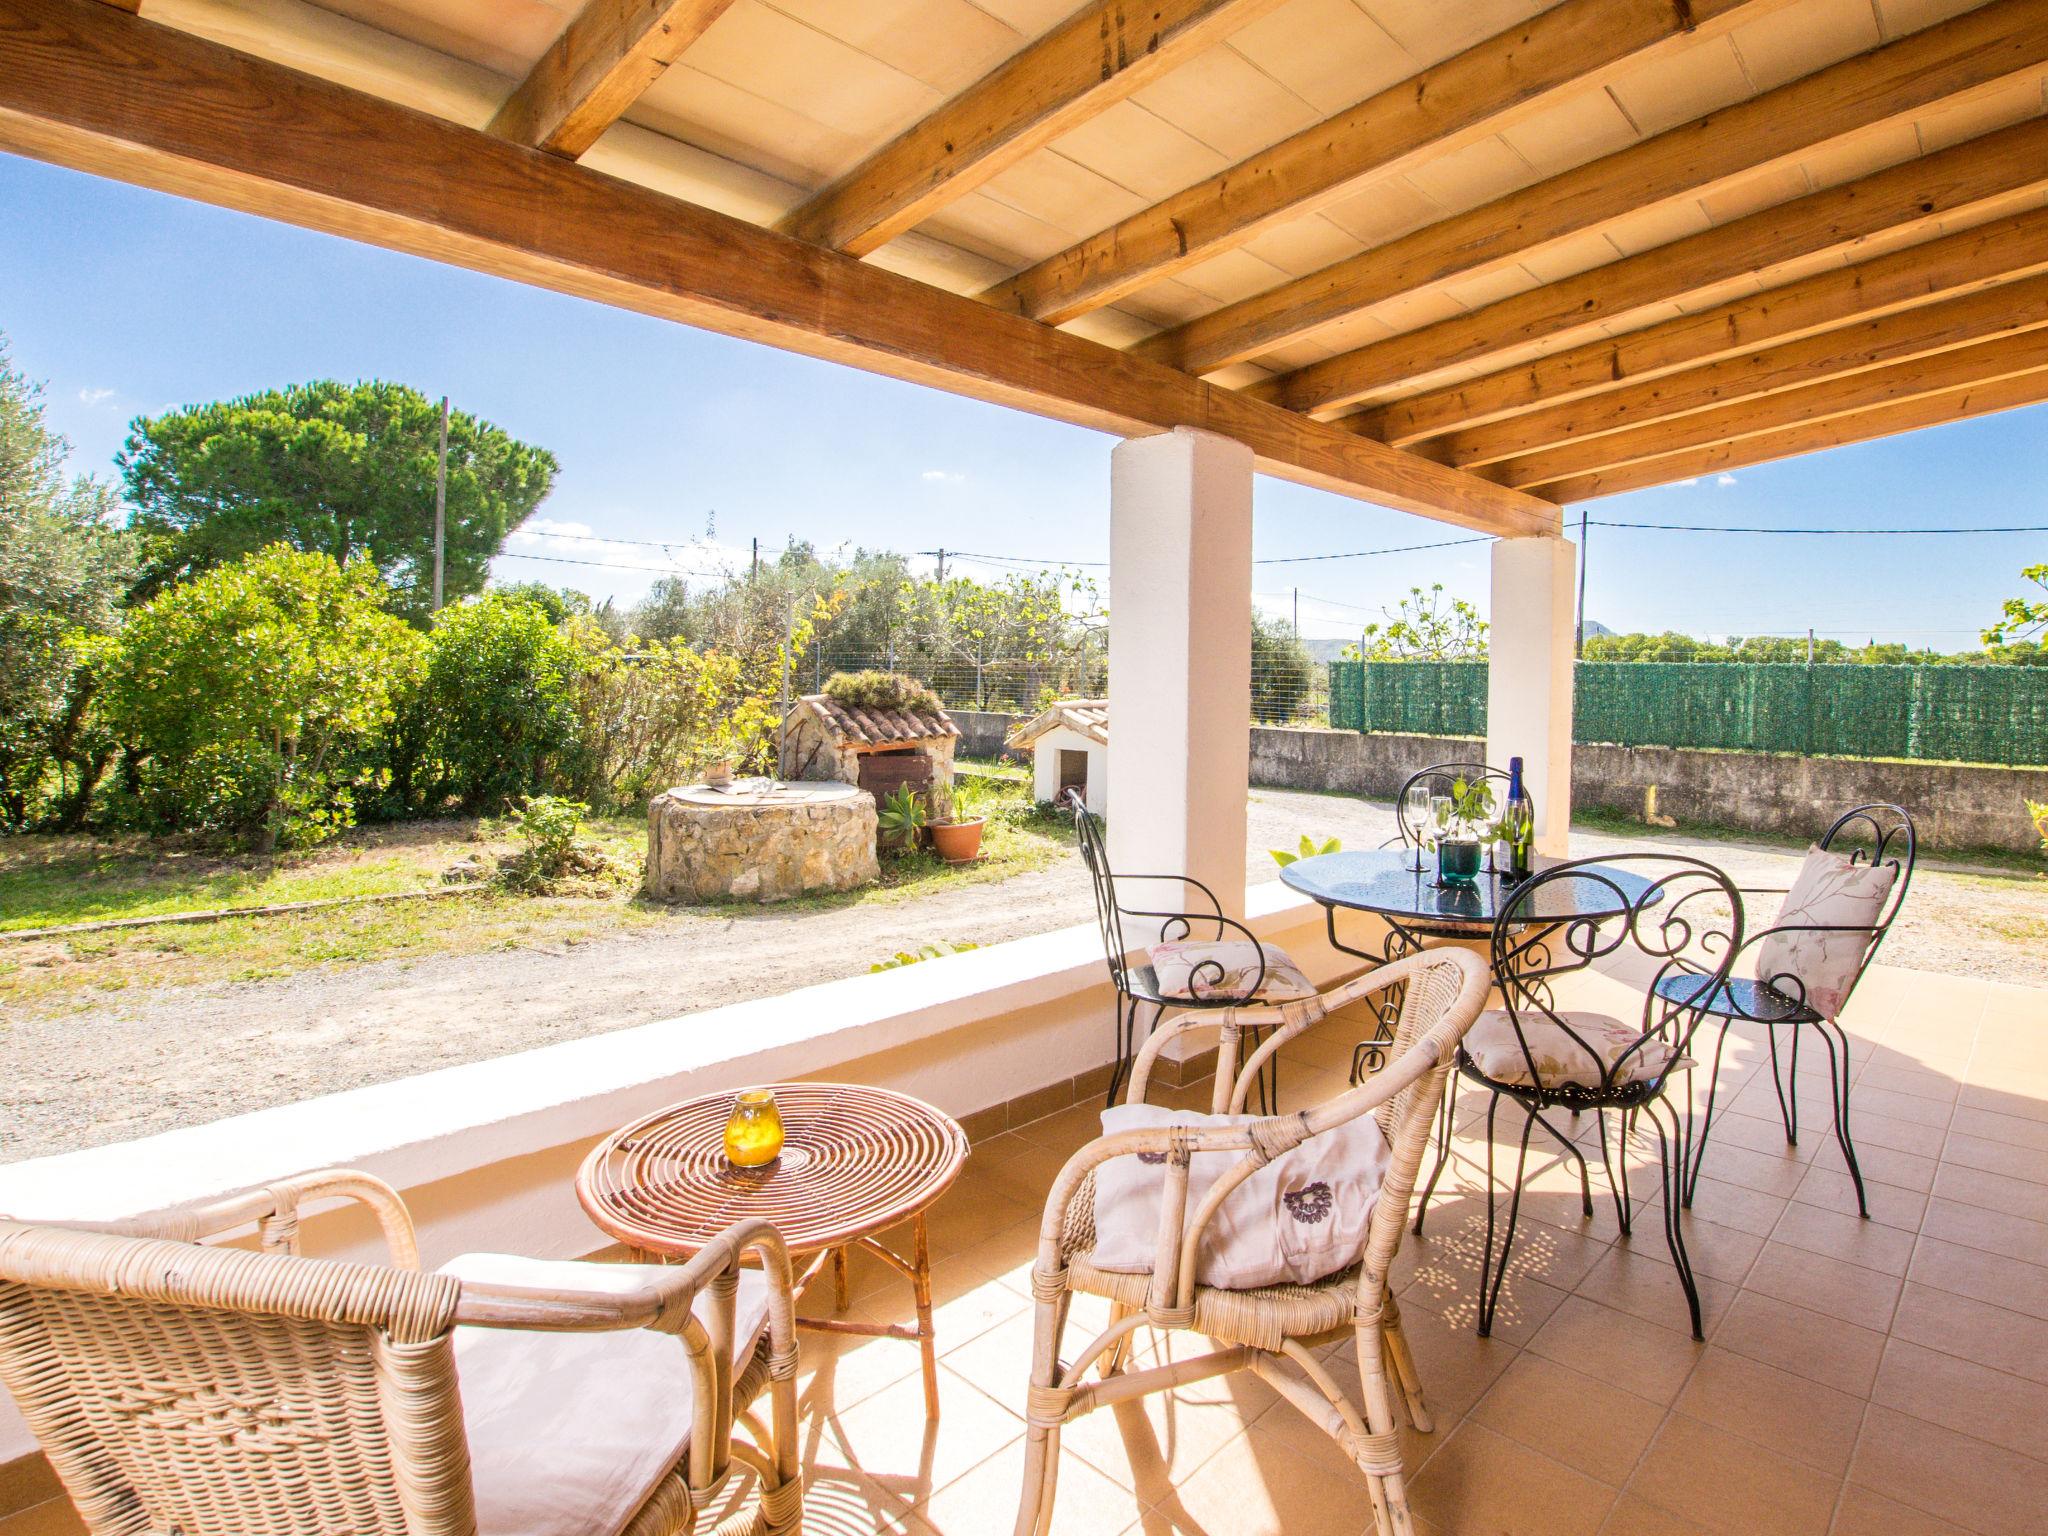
[1956,714]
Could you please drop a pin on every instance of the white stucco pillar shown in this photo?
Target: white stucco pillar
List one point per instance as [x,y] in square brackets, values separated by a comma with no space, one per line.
[1529,677]
[1180,671]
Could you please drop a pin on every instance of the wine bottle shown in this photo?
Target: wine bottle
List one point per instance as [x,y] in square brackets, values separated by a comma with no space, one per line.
[1521,822]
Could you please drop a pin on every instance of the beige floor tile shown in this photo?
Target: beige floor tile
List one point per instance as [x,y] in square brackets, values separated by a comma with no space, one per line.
[1784,1413]
[888,1439]
[1820,1348]
[1733,1485]
[2010,1283]
[1767,1172]
[985,1498]
[1592,1426]
[1648,1358]
[1996,1407]
[1629,1281]
[1994,1156]
[52,1517]
[1916,1080]
[1258,1485]
[1973,1330]
[1483,1481]
[1873,1130]
[2011,1130]
[1975,1226]
[1900,1106]
[1864,1513]
[1722,1253]
[1993,1191]
[1733,1205]
[1838,1235]
[1634,1516]
[1846,1291]
[837,1371]
[1763,1135]
[1150,1446]
[1928,1467]
[1456,1365]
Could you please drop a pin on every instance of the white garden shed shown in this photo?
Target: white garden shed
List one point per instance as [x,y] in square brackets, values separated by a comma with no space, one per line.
[1069,743]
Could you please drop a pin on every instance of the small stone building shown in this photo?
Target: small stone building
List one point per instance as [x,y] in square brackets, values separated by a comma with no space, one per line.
[1069,746]
[878,749]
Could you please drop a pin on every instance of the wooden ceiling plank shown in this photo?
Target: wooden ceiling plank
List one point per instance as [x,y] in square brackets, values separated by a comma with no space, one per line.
[2007,394]
[1903,199]
[1925,331]
[1998,252]
[83,85]
[604,60]
[1979,364]
[1573,45]
[1953,58]
[1089,62]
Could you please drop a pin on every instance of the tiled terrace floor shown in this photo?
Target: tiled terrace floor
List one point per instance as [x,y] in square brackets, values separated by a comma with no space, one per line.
[1858,1377]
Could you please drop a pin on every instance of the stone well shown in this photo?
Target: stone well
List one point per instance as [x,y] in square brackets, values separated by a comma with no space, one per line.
[751,845]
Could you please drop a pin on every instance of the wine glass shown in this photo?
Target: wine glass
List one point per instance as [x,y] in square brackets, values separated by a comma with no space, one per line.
[1440,807]
[1415,814]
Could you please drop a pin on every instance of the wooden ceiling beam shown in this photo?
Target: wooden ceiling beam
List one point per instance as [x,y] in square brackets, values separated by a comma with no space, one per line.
[1949,265]
[1967,53]
[1086,64]
[1901,200]
[85,86]
[1983,363]
[604,60]
[1926,331]
[1574,45]
[2007,394]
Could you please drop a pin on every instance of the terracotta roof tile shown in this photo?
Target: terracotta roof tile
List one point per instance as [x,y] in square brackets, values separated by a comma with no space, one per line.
[1090,717]
[880,727]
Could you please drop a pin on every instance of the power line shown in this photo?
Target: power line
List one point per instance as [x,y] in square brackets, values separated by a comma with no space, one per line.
[1810,532]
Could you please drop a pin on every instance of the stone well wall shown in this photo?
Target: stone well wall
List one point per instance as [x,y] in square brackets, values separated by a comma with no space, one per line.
[706,847]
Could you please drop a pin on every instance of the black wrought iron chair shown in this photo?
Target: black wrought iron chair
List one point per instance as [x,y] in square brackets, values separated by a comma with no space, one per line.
[1138,985]
[1682,915]
[1873,836]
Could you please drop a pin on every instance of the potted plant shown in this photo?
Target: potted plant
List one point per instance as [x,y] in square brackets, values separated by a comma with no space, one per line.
[901,819]
[1460,815]
[957,838]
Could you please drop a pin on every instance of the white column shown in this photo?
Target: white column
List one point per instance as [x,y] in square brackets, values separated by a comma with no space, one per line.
[1180,670]
[1529,677]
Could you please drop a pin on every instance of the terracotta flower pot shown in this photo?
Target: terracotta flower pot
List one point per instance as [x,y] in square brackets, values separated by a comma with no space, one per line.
[958,842]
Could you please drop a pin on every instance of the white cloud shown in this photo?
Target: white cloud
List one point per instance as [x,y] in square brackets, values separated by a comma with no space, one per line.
[944,477]
[1724,479]
[93,395]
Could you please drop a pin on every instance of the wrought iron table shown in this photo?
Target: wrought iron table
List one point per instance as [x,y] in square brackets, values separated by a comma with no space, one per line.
[1417,909]
[855,1161]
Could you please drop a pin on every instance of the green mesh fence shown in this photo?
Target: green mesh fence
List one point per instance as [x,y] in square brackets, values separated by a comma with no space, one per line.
[1937,714]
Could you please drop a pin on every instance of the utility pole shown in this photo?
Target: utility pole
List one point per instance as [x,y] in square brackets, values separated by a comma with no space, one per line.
[1297,613]
[754,573]
[1579,648]
[942,567]
[1809,647]
[441,505]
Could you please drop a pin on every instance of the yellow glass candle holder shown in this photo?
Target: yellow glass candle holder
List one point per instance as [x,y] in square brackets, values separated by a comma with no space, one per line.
[753,1136]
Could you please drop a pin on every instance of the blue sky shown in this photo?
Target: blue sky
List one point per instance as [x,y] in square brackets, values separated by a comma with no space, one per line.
[127,302]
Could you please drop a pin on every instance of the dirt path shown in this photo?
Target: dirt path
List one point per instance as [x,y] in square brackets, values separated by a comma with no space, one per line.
[188,1055]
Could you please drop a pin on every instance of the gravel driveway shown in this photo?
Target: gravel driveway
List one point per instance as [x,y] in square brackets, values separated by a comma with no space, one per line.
[188,1055]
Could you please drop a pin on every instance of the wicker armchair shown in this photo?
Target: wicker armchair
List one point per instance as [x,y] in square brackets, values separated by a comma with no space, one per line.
[1273,1331]
[232,1392]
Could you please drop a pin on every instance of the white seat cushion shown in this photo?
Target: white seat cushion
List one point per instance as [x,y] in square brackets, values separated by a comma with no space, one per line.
[570,1432]
[1200,971]
[1301,1217]
[1830,892]
[1560,1059]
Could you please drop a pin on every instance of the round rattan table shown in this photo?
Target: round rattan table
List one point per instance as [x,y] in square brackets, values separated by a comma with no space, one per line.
[855,1162]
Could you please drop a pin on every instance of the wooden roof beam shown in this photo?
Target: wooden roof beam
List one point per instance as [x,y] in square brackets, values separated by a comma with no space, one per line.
[1089,62]
[604,60]
[1970,52]
[85,86]
[1572,46]
[1983,363]
[1949,265]
[1903,199]
[1972,400]
[1926,331]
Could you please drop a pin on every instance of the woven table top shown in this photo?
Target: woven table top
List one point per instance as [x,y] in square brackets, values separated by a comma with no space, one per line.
[854,1161]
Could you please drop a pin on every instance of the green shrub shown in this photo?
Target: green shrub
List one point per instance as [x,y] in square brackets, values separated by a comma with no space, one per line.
[249,694]
[2038,811]
[880,690]
[494,717]
[901,819]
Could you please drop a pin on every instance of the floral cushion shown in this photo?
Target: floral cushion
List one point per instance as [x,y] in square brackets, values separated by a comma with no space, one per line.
[1301,1217]
[1831,892]
[1201,971]
[1560,1059]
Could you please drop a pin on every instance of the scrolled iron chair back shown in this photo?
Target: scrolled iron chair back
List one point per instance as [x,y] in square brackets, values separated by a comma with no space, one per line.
[1686,918]
[1878,833]
[1448,773]
[1095,857]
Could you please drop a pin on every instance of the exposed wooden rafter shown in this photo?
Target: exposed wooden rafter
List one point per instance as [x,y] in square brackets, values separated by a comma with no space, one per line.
[1983,363]
[1089,62]
[2006,394]
[608,55]
[1953,58]
[1914,333]
[1901,200]
[1949,265]
[85,86]
[1574,45]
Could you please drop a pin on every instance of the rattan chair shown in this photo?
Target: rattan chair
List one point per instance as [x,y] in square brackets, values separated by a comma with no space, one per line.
[1274,1331]
[1874,835]
[223,1391]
